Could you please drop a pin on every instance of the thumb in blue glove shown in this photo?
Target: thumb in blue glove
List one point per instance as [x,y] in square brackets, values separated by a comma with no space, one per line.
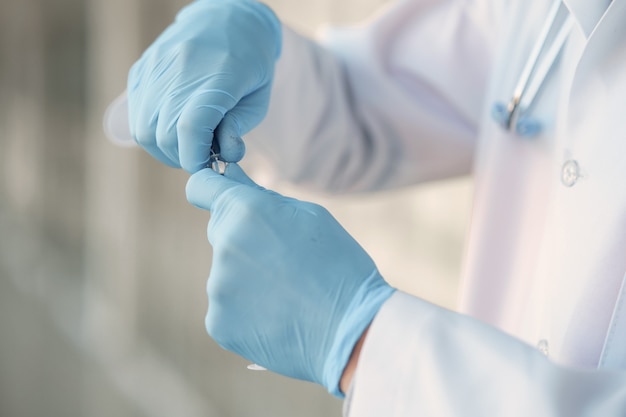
[289,288]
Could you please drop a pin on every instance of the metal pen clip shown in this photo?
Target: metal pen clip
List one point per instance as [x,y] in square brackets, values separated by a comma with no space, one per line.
[511,115]
[214,162]
[217,164]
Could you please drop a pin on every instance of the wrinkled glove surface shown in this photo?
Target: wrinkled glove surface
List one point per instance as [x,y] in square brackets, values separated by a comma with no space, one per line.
[289,288]
[209,74]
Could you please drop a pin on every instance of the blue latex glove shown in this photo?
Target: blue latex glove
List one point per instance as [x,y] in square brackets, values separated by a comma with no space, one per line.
[289,288]
[210,72]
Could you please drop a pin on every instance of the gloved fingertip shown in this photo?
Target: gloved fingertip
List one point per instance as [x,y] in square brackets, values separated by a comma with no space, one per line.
[161,157]
[228,135]
[235,173]
[170,163]
[232,148]
[202,188]
[193,167]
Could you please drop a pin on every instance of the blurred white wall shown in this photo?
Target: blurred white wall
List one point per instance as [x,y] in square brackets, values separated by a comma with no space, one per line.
[103,264]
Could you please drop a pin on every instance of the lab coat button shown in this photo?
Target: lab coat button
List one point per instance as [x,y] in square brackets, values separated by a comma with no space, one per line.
[543,347]
[570,173]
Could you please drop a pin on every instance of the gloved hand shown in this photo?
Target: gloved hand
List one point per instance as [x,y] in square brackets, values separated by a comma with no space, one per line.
[210,72]
[289,288]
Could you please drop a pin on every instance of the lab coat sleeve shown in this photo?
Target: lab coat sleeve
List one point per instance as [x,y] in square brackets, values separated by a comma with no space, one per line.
[422,360]
[392,102]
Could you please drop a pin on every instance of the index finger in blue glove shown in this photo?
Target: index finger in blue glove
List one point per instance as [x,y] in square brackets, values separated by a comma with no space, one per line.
[206,186]
[143,121]
[197,124]
[239,121]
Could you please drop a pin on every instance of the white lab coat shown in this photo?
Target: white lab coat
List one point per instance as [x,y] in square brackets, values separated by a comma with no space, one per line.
[405,98]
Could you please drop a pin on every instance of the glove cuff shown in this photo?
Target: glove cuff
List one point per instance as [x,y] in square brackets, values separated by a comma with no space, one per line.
[360,312]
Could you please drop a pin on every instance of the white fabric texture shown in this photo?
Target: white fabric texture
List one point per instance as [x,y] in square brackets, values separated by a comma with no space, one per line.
[404,99]
[444,364]
[363,111]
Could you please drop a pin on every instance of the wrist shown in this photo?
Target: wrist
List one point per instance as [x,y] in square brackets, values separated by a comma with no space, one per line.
[348,371]
[358,316]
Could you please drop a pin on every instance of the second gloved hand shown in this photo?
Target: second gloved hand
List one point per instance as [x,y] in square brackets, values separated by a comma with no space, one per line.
[289,288]
[208,74]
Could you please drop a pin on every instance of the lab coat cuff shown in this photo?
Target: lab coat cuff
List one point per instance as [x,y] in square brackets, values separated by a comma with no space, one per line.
[376,375]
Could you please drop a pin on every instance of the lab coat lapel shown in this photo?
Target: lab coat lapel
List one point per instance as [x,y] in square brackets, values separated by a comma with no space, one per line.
[614,352]
[608,34]
[605,45]
[587,12]
[598,83]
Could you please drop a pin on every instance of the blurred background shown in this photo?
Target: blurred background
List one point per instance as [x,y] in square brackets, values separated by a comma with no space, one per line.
[103,264]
